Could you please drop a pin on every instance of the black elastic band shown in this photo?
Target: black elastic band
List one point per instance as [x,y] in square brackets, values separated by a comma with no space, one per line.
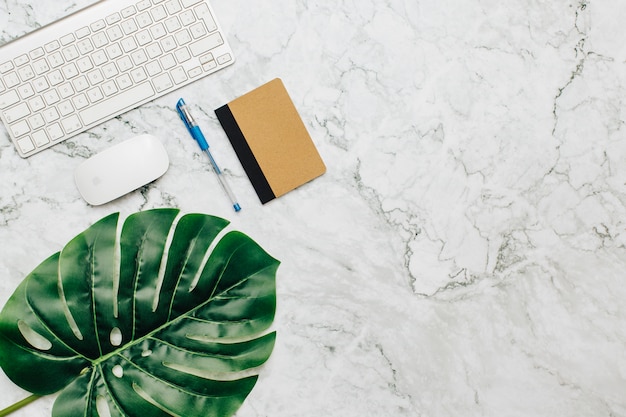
[244,153]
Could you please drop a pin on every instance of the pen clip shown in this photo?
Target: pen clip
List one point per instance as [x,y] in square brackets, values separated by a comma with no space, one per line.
[185,114]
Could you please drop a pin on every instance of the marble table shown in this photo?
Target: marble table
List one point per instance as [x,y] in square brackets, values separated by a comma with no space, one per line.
[464,253]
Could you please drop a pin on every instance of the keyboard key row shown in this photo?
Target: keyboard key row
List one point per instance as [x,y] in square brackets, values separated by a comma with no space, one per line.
[117,31]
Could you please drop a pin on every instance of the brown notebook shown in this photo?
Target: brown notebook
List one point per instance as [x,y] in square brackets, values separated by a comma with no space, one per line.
[271,140]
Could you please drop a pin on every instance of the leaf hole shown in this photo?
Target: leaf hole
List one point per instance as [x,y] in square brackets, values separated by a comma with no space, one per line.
[118,371]
[102,407]
[116,337]
[35,339]
[201,373]
[143,394]
[146,353]
[68,314]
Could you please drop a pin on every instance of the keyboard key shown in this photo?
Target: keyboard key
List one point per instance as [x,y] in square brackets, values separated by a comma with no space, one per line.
[66,90]
[85,46]
[41,67]
[206,44]
[36,121]
[6,67]
[26,73]
[203,12]
[113,18]
[98,25]
[71,124]
[224,59]
[16,113]
[173,6]
[25,145]
[182,55]
[194,72]
[80,83]
[153,68]
[128,12]
[36,103]
[51,114]
[95,77]
[55,60]
[80,101]
[125,63]
[187,18]
[209,66]
[11,79]
[41,84]
[67,39]
[143,38]
[55,77]
[206,58]
[70,71]
[139,57]
[40,138]
[65,108]
[95,95]
[168,61]
[99,58]
[109,70]
[158,13]
[178,75]
[172,24]
[36,53]
[183,37]
[8,99]
[70,53]
[26,91]
[124,81]
[114,51]
[84,64]
[143,5]
[20,129]
[158,31]
[51,97]
[139,75]
[154,50]
[99,40]
[123,101]
[54,131]
[115,33]
[52,46]
[143,20]
[129,26]
[162,82]
[128,44]
[198,30]
[21,60]
[109,88]
[83,32]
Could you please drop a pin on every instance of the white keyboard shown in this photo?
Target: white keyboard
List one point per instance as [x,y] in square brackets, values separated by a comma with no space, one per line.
[102,61]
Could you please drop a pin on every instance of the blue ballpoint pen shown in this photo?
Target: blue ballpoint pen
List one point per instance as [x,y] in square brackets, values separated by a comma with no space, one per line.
[196,133]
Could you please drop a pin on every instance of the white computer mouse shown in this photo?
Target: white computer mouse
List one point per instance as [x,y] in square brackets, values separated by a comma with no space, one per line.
[121,169]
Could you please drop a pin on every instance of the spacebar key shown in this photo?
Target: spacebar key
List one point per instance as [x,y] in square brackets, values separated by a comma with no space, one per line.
[113,106]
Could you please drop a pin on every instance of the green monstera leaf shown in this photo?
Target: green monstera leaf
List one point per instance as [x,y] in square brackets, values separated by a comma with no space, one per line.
[157,319]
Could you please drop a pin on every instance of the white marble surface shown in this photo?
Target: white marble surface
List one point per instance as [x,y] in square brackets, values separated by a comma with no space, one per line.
[463,255]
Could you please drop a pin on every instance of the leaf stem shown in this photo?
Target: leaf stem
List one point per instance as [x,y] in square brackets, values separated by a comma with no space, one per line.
[18,405]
